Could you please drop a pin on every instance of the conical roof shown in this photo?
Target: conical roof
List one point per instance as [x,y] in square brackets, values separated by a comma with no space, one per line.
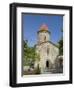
[44,27]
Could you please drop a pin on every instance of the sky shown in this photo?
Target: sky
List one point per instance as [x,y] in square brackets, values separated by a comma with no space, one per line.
[31,24]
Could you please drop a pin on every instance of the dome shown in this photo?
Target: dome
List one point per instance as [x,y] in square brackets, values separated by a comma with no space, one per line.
[44,27]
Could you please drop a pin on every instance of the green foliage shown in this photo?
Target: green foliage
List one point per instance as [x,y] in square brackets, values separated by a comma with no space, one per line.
[30,54]
[61,45]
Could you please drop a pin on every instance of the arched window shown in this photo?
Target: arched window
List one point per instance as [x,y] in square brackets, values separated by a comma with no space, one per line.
[47,50]
[45,38]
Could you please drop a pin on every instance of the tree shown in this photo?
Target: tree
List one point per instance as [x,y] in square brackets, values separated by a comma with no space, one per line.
[30,55]
[61,45]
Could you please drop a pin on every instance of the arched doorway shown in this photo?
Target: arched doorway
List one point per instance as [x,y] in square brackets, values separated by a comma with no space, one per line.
[47,64]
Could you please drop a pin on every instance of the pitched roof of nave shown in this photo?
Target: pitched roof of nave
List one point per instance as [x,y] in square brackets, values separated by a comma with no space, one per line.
[47,42]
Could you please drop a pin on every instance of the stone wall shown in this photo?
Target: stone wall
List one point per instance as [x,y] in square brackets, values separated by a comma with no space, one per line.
[47,52]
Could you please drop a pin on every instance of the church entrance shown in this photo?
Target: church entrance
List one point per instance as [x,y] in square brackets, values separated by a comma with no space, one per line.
[47,67]
[47,64]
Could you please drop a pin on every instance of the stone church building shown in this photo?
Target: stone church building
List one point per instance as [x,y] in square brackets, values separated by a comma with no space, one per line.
[48,51]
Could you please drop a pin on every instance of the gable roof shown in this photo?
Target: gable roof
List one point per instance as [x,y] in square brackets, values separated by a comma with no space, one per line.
[47,42]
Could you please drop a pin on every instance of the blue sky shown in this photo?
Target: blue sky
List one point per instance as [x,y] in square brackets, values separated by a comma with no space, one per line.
[32,22]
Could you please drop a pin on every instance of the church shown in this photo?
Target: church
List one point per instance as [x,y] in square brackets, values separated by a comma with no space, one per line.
[47,50]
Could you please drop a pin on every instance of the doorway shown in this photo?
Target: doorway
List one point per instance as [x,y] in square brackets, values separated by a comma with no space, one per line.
[47,64]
